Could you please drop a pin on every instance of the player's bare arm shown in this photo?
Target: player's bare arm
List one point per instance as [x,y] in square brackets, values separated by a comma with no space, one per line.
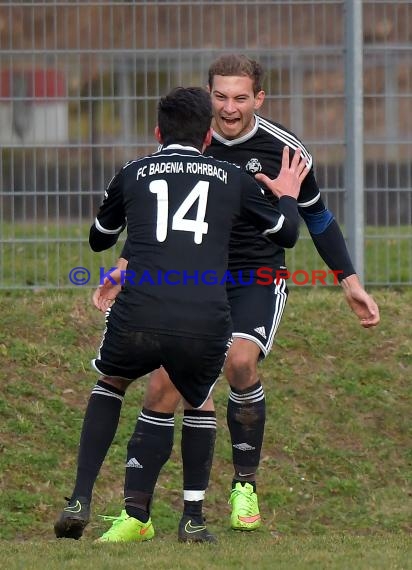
[290,177]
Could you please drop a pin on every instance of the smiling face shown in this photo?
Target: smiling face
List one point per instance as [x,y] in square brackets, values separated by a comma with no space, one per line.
[234,105]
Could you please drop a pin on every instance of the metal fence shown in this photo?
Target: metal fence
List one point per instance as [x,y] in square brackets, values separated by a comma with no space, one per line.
[79,84]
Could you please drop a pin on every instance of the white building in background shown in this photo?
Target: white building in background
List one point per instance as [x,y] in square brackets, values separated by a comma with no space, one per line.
[33,109]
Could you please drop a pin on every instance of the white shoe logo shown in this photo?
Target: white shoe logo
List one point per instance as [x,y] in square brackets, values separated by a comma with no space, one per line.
[190,529]
[244,447]
[74,508]
[261,331]
[134,463]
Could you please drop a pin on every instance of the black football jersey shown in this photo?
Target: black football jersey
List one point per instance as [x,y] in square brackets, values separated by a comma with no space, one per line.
[179,207]
[260,150]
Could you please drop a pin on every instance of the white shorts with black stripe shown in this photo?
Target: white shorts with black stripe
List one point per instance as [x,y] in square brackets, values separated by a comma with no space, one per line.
[256,312]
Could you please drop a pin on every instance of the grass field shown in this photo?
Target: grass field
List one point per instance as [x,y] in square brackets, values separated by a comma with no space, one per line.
[234,552]
[335,479]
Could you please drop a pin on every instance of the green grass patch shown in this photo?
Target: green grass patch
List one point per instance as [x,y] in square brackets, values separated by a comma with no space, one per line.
[234,551]
[335,480]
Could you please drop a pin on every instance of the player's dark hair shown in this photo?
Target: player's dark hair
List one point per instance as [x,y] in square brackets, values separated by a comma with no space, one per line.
[237,65]
[184,116]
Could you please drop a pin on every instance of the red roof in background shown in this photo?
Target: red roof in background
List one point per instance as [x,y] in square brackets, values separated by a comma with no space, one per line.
[33,83]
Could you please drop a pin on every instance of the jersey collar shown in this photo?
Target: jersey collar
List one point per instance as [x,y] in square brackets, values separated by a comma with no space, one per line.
[247,136]
[181,147]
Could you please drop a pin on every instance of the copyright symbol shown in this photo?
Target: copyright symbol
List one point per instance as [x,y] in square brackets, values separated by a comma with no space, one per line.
[79,276]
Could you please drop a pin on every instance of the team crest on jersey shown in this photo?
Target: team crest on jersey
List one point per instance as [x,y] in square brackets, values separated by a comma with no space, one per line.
[253,166]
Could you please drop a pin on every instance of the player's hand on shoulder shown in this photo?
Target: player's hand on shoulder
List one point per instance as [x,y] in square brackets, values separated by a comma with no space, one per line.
[290,177]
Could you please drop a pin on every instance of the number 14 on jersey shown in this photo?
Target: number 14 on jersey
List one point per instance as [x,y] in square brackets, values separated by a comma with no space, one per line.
[197,226]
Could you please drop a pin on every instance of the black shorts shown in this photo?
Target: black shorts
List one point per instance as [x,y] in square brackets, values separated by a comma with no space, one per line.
[193,364]
[256,312]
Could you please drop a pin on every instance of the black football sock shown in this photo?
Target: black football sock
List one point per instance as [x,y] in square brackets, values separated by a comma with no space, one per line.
[246,413]
[99,427]
[148,450]
[243,482]
[193,509]
[197,445]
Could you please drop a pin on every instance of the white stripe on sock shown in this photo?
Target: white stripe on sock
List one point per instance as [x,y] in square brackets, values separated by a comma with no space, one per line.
[193,495]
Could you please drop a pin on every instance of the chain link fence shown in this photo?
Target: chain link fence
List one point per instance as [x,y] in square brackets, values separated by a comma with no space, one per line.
[79,85]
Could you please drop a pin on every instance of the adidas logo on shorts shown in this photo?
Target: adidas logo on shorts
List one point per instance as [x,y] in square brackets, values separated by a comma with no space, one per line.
[244,446]
[261,331]
[134,463]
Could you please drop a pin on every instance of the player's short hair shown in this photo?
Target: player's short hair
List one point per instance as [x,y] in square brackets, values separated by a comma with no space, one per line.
[237,65]
[184,116]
